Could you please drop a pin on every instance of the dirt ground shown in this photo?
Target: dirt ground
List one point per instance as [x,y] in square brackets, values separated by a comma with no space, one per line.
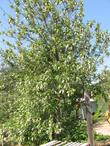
[102,128]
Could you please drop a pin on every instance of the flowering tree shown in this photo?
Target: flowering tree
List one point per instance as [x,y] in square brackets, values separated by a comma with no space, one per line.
[51,60]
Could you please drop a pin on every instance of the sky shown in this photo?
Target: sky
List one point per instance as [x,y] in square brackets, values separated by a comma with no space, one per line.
[98,10]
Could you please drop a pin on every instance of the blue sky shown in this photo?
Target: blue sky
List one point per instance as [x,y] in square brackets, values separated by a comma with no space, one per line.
[98,10]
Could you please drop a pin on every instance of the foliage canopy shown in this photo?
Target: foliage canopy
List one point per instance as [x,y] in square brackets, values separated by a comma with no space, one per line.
[51,58]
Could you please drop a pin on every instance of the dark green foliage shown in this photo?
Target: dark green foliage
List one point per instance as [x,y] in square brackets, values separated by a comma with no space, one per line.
[99,137]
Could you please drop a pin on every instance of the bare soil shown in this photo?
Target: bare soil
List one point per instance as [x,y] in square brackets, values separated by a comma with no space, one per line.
[102,128]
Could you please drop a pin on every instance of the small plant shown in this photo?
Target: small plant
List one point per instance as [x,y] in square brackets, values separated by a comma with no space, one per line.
[98,116]
[99,137]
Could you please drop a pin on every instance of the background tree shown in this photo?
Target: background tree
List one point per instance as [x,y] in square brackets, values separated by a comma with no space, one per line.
[105,89]
[51,59]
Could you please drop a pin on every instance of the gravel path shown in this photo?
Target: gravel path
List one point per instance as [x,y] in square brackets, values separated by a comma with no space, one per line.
[102,128]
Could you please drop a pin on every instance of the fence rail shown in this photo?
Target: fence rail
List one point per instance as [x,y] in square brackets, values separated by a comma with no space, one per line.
[59,143]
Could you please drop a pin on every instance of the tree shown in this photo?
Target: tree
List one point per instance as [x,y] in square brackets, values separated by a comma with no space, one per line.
[52,59]
[105,80]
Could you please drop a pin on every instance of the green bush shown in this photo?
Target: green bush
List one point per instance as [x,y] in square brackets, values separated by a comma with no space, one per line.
[98,116]
[99,137]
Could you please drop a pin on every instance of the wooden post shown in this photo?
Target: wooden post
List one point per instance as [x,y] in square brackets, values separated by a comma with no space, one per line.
[89,119]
